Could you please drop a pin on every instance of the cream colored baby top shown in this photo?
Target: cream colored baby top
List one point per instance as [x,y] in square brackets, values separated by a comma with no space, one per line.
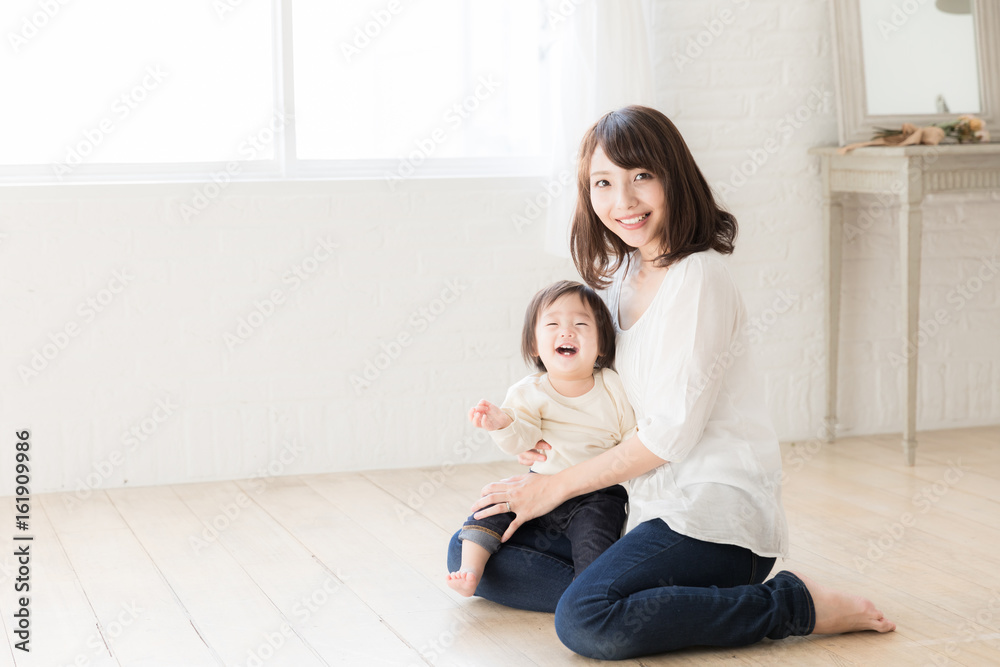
[578,428]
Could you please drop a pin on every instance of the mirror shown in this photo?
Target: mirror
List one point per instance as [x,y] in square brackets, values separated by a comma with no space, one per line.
[916,61]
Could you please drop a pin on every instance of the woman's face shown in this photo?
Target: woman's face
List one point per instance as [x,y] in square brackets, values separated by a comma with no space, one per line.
[632,203]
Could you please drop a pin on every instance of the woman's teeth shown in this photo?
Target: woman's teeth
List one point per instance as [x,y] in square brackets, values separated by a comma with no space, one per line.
[633,221]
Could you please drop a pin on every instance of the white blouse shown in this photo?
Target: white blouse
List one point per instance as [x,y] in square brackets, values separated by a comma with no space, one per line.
[699,404]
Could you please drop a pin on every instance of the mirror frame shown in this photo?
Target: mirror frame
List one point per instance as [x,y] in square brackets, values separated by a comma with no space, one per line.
[853,120]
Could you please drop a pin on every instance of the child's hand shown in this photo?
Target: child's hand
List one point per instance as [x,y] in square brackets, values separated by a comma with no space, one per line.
[488,416]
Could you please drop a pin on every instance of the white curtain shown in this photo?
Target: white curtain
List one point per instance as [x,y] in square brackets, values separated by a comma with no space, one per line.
[600,60]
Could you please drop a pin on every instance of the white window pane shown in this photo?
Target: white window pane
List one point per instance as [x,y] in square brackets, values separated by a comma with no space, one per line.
[136,81]
[384,80]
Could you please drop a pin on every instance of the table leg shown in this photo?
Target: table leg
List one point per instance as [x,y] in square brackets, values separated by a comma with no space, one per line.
[833,218]
[910,226]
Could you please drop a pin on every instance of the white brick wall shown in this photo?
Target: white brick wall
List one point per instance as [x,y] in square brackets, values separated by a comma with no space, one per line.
[155,360]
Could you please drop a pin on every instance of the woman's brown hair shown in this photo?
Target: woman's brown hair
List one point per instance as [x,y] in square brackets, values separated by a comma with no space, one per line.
[637,137]
[602,320]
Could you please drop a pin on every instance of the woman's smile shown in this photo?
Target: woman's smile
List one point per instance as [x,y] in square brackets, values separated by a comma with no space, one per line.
[634,222]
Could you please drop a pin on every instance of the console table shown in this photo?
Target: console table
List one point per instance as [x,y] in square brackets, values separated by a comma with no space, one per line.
[907,174]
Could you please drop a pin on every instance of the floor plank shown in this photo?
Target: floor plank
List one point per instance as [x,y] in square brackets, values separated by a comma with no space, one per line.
[349,569]
[316,600]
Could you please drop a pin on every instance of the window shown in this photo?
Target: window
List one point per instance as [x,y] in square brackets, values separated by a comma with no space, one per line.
[114,89]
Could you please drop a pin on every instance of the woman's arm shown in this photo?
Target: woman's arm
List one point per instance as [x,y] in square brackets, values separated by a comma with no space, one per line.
[531,496]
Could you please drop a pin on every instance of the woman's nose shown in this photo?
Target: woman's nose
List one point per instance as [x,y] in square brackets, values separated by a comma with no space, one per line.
[626,196]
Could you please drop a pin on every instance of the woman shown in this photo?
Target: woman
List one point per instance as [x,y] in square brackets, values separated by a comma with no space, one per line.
[706,521]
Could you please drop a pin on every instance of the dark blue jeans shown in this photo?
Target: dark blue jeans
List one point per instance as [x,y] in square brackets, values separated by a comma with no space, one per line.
[652,591]
[592,523]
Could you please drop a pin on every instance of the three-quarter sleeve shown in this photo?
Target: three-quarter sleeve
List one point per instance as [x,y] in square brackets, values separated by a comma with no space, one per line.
[526,429]
[696,346]
[625,413]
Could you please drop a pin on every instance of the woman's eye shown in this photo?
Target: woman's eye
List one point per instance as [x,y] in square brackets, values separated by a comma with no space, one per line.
[644,175]
[601,183]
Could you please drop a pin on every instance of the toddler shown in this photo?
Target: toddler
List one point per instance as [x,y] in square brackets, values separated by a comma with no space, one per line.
[577,404]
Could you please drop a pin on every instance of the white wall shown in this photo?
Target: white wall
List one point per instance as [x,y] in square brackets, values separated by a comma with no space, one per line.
[156,358]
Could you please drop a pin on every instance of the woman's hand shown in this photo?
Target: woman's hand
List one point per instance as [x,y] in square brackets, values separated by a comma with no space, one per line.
[533,456]
[529,496]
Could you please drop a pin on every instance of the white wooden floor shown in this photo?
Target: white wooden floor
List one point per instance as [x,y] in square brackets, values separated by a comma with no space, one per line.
[348,569]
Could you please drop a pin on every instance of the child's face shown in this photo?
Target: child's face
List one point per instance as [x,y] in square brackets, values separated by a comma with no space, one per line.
[566,338]
[630,202]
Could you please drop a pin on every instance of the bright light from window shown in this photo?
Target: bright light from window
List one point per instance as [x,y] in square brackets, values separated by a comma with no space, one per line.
[127,81]
[387,79]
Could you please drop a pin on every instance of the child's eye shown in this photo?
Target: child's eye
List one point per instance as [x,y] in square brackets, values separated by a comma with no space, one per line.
[581,324]
[551,324]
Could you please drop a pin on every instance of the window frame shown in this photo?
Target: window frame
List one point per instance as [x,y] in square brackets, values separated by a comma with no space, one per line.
[285,166]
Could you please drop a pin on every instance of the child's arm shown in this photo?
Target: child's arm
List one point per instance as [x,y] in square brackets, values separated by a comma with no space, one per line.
[515,427]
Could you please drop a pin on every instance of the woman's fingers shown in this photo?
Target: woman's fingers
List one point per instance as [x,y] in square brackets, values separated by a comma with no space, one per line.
[514,525]
[491,510]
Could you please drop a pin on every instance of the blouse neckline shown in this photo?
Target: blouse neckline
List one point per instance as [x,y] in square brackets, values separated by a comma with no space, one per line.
[618,298]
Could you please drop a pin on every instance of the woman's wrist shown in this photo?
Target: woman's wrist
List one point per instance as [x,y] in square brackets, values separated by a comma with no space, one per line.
[565,484]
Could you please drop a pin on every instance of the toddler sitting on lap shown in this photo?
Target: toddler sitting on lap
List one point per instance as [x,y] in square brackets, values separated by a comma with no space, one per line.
[577,404]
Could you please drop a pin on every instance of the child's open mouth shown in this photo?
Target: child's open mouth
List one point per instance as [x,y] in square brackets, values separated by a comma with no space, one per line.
[566,350]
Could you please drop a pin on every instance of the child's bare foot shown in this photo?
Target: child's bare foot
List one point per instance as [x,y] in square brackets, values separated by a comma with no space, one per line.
[463,582]
[838,612]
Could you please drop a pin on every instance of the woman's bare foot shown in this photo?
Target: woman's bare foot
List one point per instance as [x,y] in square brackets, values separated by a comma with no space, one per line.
[463,582]
[838,612]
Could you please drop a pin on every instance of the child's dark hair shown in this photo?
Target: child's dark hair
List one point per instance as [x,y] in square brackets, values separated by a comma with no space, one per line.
[638,137]
[602,320]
